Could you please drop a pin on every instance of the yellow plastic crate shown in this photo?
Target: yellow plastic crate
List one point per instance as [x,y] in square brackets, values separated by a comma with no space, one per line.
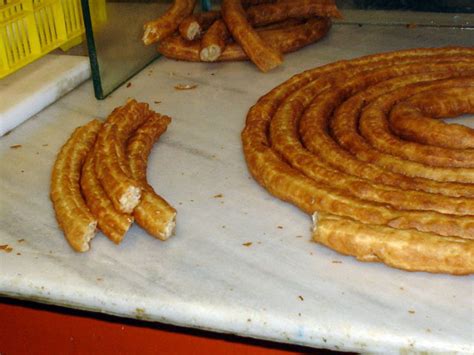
[29,29]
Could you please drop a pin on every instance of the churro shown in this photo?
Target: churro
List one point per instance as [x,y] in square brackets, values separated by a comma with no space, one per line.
[295,146]
[153,213]
[168,23]
[111,222]
[265,57]
[72,214]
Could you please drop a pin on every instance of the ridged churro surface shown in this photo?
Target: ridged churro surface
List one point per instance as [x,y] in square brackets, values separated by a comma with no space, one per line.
[72,214]
[153,213]
[312,141]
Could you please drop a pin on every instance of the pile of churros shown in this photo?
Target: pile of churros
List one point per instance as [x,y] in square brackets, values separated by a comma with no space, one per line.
[99,178]
[359,145]
[258,30]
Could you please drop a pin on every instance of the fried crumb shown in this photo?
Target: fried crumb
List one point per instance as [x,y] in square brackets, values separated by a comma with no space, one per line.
[411,311]
[157,102]
[45,145]
[301,298]
[6,248]
[18,253]
[185,86]
[129,84]
[22,171]
[280,227]
[21,240]
[218,196]
[299,236]
[336,262]
[247,244]
[16,146]
[411,25]
[99,279]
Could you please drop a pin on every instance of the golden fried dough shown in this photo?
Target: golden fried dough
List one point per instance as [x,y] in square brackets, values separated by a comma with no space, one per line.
[72,214]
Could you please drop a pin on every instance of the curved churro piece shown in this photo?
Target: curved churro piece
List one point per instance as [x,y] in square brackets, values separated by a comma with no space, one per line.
[153,213]
[413,119]
[268,13]
[285,40]
[110,167]
[193,26]
[374,126]
[166,24]
[111,222]
[403,249]
[72,214]
[214,41]
[264,56]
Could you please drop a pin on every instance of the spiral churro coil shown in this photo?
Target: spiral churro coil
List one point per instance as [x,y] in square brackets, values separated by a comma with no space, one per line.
[315,141]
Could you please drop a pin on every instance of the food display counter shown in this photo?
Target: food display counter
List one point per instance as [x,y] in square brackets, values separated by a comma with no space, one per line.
[241,261]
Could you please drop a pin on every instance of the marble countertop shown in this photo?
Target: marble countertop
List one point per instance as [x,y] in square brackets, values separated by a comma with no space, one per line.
[242,262]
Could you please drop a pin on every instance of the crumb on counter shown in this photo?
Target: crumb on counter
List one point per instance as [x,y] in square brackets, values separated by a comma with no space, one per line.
[16,146]
[6,248]
[185,86]
[247,244]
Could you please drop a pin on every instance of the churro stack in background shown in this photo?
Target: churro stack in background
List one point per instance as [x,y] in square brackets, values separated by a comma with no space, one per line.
[261,31]
[99,178]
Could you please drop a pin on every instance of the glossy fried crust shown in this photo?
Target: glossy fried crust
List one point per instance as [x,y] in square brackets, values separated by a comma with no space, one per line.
[166,24]
[72,214]
[110,165]
[416,119]
[294,147]
[269,13]
[110,221]
[153,213]
[403,249]
[285,40]
[265,57]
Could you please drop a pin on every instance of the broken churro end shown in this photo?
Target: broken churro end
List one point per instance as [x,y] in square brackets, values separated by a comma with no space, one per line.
[210,54]
[194,31]
[130,199]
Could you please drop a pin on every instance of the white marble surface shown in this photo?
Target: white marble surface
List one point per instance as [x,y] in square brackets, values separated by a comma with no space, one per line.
[32,88]
[282,287]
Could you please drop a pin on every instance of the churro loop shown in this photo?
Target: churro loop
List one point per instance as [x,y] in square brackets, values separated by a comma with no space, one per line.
[403,249]
[153,213]
[111,222]
[374,127]
[166,24]
[315,99]
[416,118]
[72,214]
[265,57]
[111,167]
[286,40]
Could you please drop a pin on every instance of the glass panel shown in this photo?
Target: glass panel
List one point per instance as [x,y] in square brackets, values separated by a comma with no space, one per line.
[115,48]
